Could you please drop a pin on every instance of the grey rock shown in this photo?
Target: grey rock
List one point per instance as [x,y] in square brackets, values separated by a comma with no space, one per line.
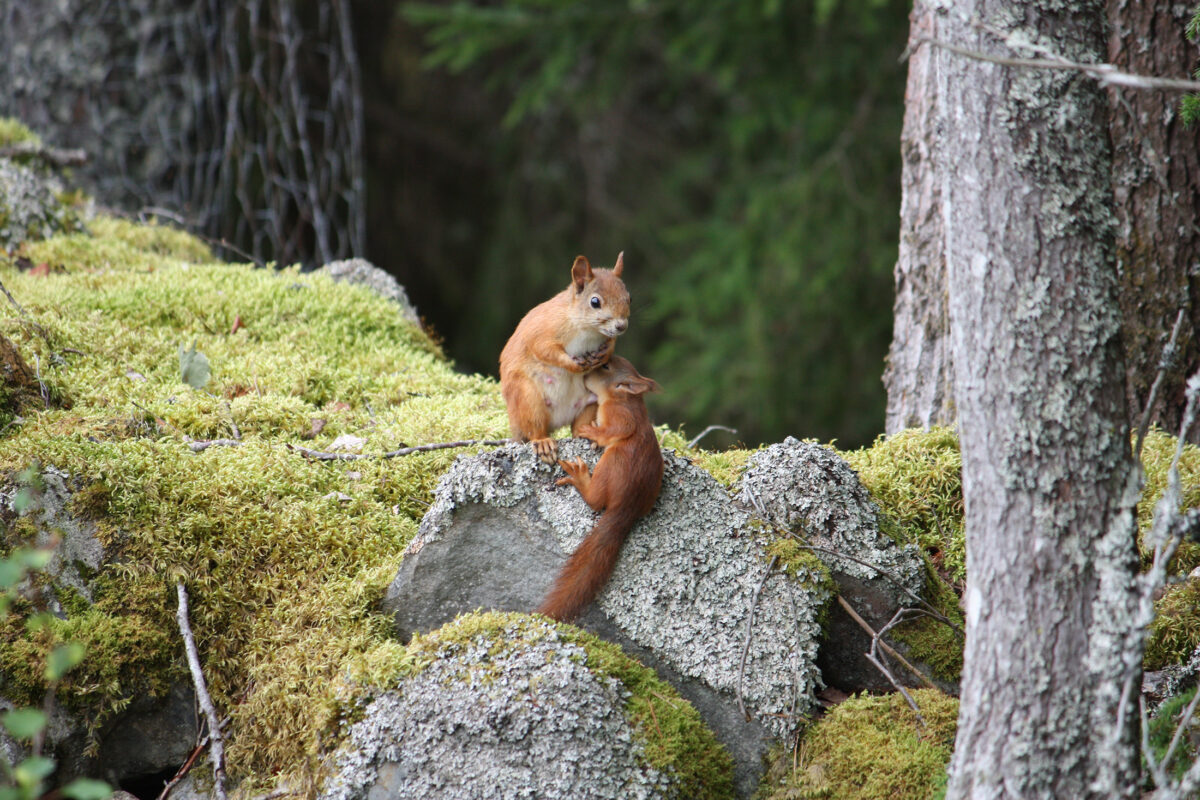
[151,736]
[29,209]
[77,553]
[361,272]
[498,719]
[680,600]
[812,491]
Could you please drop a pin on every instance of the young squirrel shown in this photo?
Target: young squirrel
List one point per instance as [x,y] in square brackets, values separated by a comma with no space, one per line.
[624,485]
[543,363]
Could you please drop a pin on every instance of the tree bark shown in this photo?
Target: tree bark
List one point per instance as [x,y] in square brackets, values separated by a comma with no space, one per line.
[1156,194]
[919,376]
[1035,337]
[1156,189]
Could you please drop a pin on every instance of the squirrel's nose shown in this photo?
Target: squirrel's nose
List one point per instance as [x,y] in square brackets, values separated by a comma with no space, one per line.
[621,325]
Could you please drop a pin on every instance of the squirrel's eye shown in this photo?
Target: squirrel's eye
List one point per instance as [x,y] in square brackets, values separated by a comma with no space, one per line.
[595,301]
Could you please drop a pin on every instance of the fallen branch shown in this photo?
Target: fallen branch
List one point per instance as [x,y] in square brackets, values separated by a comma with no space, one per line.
[216,753]
[317,455]
[875,658]
[1104,73]
[201,445]
[749,631]
[862,623]
[54,156]
[695,441]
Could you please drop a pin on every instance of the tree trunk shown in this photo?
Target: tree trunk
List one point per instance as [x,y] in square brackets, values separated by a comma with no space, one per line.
[1156,191]
[920,373]
[1035,339]
[1156,187]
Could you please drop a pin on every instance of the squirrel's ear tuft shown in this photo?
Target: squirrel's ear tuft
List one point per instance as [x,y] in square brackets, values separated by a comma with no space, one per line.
[620,264]
[581,273]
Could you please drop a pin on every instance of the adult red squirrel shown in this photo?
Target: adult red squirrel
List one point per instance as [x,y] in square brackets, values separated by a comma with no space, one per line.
[624,485]
[543,363]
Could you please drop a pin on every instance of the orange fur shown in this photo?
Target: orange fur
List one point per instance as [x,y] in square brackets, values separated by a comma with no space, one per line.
[543,363]
[624,485]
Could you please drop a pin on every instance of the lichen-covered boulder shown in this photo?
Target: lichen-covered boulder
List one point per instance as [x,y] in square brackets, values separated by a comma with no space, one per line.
[509,706]
[29,206]
[691,596]
[809,489]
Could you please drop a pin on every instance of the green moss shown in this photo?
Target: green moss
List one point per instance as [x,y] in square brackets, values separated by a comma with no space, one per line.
[916,478]
[1175,631]
[870,748]
[933,642]
[1157,453]
[284,577]
[1162,729]
[799,562]
[12,131]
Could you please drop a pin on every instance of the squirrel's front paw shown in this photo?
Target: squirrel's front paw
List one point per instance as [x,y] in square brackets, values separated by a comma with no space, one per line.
[575,470]
[546,449]
[593,359]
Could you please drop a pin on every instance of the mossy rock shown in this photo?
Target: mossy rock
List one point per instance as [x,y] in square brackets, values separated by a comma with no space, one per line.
[542,709]
[32,206]
[870,748]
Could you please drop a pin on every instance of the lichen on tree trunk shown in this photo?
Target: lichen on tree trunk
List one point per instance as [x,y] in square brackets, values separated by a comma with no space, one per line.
[1025,172]
[1156,197]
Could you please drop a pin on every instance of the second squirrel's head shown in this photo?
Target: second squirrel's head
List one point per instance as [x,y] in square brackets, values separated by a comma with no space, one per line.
[600,299]
[618,378]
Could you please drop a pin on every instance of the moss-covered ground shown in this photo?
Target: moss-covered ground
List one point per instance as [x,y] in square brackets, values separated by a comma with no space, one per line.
[869,748]
[283,557]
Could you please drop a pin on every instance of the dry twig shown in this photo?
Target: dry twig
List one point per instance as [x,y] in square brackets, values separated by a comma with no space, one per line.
[317,455]
[216,753]
[875,637]
[696,440]
[1104,73]
[749,632]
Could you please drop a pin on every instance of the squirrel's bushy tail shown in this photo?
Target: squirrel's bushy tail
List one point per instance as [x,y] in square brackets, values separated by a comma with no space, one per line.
[589,567]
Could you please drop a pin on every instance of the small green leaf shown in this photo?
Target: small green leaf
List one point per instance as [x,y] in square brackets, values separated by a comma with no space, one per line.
[36,559]
[31,771]
[62,659]
[193,367]
[24,723]
[87,789]
[11,572]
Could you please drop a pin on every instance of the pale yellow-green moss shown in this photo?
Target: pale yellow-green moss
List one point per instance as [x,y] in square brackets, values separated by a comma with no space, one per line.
[284,558]
[869,748]
[12,132]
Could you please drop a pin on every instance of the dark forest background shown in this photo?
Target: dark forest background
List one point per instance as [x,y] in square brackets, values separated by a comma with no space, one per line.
[744,155]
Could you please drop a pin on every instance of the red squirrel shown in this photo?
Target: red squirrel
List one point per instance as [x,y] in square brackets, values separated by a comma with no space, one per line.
[543,363]
[624,485]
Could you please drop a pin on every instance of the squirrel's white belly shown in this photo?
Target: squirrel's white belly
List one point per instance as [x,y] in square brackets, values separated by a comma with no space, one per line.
[564,393]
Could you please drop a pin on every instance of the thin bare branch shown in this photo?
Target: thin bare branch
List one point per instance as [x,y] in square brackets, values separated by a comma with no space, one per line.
[201,445]
[1166,362]
[216,753]
[866,626]
[54,156]
[749,631]
[317,455]
[1106,74]
[696,440]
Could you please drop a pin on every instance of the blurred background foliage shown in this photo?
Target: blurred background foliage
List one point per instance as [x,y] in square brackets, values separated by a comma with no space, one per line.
[744,155]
